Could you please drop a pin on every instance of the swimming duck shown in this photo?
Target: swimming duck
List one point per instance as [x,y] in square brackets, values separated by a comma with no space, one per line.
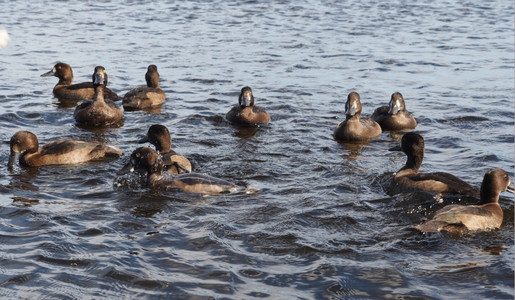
[394,117]
[159,136]
[409,179]
[98,112]
[486,215]
[25,146]
[144,97]
[65,90]
[246,113]
[147,160]
[354,128]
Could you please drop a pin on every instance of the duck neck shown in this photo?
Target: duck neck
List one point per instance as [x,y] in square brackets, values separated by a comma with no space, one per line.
[65,81]
[413,162]
[488,196]
[152,81]
[99,94]
[164,150]
[353,117]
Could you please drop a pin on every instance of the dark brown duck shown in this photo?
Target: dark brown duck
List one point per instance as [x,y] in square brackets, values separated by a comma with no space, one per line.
[159,136]
[409,179]
[246,113]
[65,90]
[148,96]
[99,112]
[394,117]
[354,128]
[25,146]
[486,215]
[147,160]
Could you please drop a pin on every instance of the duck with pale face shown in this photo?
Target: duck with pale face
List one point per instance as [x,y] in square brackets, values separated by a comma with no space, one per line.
[354,128]
[100,112]
[394,117]
[246,113]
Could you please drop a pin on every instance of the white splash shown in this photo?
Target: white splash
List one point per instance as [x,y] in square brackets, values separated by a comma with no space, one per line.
[4,38]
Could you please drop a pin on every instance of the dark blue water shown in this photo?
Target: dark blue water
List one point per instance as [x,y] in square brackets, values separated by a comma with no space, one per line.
[322,226]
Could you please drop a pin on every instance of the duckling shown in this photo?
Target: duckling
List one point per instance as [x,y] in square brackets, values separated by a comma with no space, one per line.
[394,117]
[354,128]
[65,90]
[99,112]
[487,214]
[147,160]
[145,97]
[246,113]
[159,136]
[409,179]
[25,146]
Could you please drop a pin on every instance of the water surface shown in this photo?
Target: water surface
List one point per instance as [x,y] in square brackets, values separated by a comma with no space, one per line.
[323,226]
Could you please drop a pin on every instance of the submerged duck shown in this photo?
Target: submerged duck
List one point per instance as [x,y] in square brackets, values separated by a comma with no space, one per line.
[409,179]
[486,215]
[354,128]
[24,144]
[98,112]
[147,160]
[65,90]
[145,97]
[246,113]
[394,117]
[159,136]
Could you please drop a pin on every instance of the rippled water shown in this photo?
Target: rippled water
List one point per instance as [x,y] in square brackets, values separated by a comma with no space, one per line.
[323,226]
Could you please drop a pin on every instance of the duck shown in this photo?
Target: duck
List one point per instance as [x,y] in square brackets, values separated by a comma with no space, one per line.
[409,179]
[25,147]
[159,136]
[354,128]
[246,113]
[65,90]
[145,97]
[488,214]
[394,117]
[147,160]
[99,112]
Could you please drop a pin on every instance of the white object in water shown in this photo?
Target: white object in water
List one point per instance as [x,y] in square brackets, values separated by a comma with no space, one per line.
[4,38]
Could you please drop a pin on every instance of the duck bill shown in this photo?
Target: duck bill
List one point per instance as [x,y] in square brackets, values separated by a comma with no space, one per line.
[246,100]
[49,73]
[396,148]
[12,159]
[128,168]
[351,110]
[143,140]
[394,108]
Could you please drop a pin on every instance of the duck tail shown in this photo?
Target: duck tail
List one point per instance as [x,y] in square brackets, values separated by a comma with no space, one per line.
[112,150]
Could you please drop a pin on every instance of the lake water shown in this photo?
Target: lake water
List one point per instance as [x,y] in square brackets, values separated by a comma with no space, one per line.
[322,226]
